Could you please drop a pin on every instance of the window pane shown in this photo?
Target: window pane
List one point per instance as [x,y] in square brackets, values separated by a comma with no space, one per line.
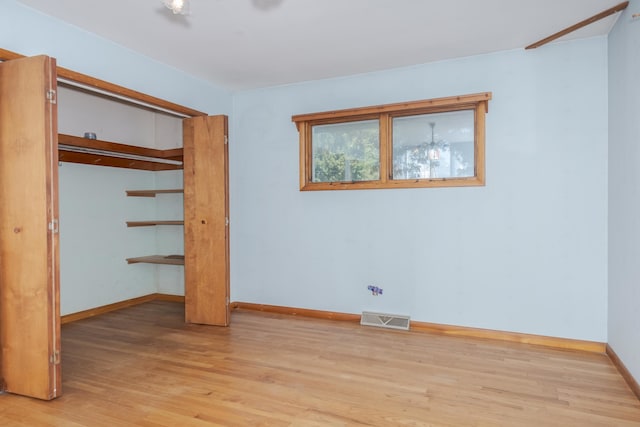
[346,152]
[432,146]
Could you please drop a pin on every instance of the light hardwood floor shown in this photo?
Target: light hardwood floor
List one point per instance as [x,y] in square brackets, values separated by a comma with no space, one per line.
[143,366]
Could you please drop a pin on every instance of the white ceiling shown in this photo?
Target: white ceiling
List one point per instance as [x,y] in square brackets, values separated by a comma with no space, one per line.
[244,44]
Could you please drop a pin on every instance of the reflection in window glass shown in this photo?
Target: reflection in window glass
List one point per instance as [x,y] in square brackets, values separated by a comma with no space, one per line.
[346,152]
[432,146]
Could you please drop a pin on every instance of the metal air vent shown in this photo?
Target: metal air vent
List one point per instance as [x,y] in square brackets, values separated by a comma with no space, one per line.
[385,320]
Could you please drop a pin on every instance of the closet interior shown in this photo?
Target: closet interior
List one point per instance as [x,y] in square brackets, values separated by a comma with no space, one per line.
[106,195]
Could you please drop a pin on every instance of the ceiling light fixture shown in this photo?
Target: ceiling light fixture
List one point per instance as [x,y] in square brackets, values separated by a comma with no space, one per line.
[178,7]
[433,150]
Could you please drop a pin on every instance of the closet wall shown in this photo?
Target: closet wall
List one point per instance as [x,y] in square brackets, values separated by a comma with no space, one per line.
[168,278]
[95,240]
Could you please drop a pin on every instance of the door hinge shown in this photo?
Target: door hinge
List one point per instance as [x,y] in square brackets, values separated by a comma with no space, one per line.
[51,96]
[226,221]
[226,140]
[54,359]
[53,226]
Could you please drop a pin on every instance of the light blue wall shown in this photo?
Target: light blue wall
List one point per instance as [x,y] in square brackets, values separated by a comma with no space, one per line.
[94,240]
[525,253]
[624,189]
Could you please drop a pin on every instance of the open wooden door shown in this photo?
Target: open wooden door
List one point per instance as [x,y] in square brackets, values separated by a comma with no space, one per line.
[206,220]
[29,257]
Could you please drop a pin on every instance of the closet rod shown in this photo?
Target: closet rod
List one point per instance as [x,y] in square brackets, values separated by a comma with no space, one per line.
[93,89]
[92,84]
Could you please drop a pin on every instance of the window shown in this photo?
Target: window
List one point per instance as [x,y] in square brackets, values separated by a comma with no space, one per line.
[346,152]
[430,143]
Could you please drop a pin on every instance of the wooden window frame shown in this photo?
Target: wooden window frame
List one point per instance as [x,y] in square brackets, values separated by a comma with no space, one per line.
[478,103]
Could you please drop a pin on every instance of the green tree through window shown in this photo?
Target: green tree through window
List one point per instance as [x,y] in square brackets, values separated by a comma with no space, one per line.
[346,152]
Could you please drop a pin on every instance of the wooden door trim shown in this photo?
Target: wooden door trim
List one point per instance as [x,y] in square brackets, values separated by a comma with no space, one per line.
[53,240]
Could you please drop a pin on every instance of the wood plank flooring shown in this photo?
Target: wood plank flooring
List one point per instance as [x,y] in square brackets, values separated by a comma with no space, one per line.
[142,366]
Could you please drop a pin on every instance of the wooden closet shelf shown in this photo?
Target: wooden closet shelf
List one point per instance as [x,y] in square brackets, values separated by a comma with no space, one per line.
[75,149]
[158,259]
[150,223]
[152,193]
